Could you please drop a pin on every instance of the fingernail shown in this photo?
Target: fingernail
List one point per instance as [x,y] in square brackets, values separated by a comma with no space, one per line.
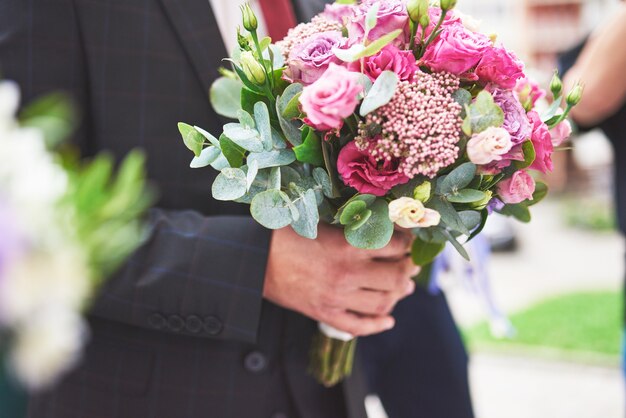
[390,323]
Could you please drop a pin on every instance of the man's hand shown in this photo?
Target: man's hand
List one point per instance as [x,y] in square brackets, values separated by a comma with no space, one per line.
[330,281]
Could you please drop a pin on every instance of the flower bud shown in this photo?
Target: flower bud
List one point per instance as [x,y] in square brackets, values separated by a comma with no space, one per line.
[447,5]
[425,21]
[242,41]
[422,192]
[556,85]
[252,69]
[574,97]
[417,9]
[250,21]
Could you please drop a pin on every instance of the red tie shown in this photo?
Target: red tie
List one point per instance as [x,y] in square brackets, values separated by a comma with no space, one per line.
[279,17]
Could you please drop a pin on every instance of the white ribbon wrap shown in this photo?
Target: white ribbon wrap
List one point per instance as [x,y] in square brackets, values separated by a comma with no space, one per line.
[334,333]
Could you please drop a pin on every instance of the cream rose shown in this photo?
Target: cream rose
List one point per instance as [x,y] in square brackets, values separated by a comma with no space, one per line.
[410,213]
[489,146]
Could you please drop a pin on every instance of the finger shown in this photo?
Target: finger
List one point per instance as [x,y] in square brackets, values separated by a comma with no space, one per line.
[399,246]
[359,325]
[369,302]
[387,276]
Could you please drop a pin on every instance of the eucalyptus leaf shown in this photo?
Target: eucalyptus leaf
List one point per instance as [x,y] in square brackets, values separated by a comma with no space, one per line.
[233,153]
[225,96]
[424,253]
[306,225]
[376,232]
[289,175]
[351,211]
[323,179]
[482,114]
[275,158]
[470,218]
[449,215]
[230,184]
[274,179]
[245,119]
[365,82]
[467,196]
[192,139]
[270,209]
[519,212]
[277,140]
[554,108]
[206,158]
[290,128]
[381,93]
[262,118]
[458,179]
[220,163]
[253,170]
[247,138]
[292,110]
[213,140]
[457,245]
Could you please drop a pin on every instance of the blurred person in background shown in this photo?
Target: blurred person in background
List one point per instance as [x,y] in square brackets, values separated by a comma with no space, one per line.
[600,64]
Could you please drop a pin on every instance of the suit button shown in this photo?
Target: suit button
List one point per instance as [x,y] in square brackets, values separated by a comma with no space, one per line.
[175,323]
[255,362]
[212,325]
[193,324]
[156,321]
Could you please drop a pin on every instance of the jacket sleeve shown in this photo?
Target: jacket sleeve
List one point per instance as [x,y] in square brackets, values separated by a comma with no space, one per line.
[195,275]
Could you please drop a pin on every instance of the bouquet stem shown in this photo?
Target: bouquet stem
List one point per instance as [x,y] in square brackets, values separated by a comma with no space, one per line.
[331,359]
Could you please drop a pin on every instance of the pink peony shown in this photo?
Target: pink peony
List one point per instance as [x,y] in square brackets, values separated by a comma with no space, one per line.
[310,59]
[561,133]
[500,67]
[517,189]
[389,58]
[456,50]
[528,92]
[392,15]
[331,99]
[489,145]
[542,141]
[361,171]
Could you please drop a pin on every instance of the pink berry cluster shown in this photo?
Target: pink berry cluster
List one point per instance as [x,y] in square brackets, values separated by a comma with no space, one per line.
[420,126]
[304,31]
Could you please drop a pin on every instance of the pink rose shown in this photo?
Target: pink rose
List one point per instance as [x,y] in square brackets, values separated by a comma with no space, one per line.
[495,167]
[331,99]
[390,58]
[561,133]
[340,13]
[392,15]
[542,141]
[516,189]
[310,59]
[528,92]
[489,145]
[359,170]
[456,50]
[500,67]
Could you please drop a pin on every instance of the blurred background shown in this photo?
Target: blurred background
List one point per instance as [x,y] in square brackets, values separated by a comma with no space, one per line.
[558,279]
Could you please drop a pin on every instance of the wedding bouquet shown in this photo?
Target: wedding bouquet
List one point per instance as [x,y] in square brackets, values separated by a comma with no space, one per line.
[64,226]
[376,114]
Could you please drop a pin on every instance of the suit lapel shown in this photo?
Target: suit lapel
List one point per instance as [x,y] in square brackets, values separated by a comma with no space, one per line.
[199,35]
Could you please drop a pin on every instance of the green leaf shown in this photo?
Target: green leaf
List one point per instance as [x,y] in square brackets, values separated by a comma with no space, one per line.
[462,97]
[275,158]
[306,225]
[482,114]
[424,253]
[376,232]
[449,215]
[290,128]
[233,153]
[358,51]
[193,139]
[470,218]
[519,212]
[457,245]
[277,140]
[363,217]
[381,93]
[253,170]
[552,110]
[289,175]
[271,209]
[323,179]
[245,119]
[262,118]
[351,212]
[529,156]
[365,82]
[310,151]
[541,191]
[213,140]
[250,98]
[206,158]
[274,179]
[54,115]
[467,196]
[230,184]
[225,97]
[484,216]
[458,179]
[292,110]
[246,138]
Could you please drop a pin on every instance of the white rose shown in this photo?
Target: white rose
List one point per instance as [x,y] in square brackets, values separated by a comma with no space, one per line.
[489,145]
[46,346]
[410,213]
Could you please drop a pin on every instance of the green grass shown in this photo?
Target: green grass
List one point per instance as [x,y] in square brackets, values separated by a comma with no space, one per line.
[579,322]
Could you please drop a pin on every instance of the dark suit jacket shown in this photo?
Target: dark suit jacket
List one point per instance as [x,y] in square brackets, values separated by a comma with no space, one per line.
[182,329]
